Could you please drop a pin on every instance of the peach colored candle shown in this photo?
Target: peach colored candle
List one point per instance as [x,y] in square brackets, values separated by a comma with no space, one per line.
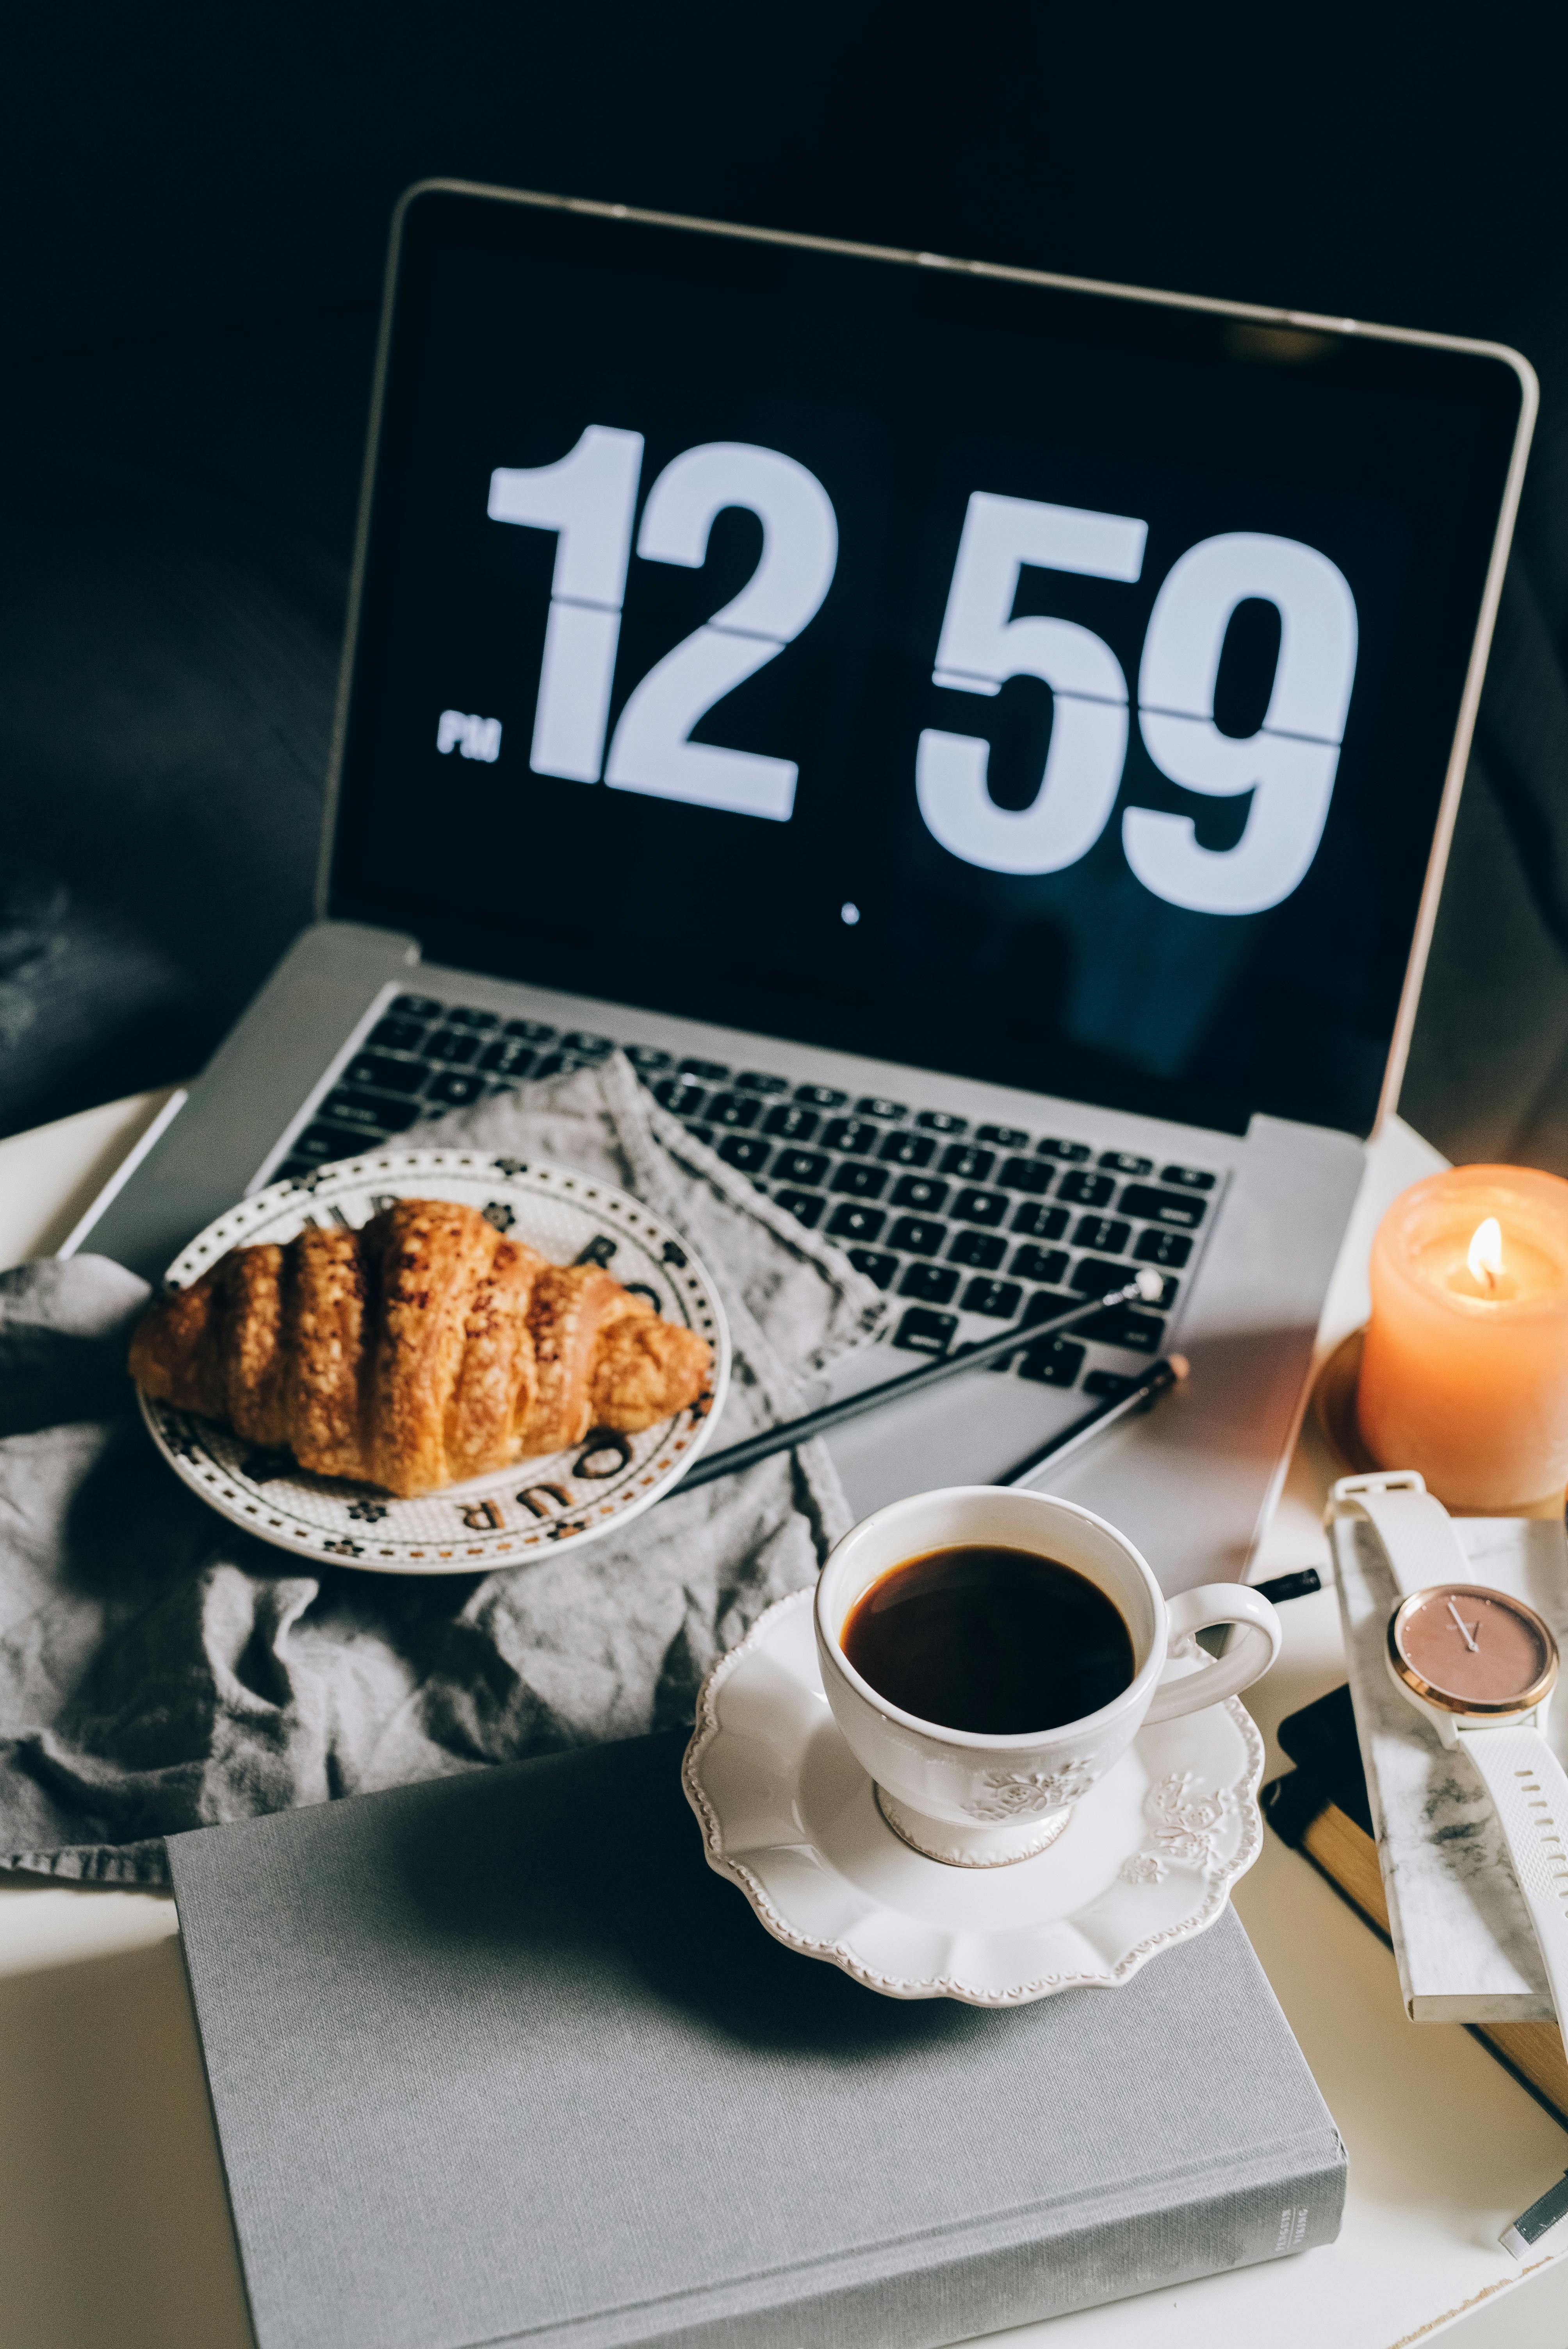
[1464,1372]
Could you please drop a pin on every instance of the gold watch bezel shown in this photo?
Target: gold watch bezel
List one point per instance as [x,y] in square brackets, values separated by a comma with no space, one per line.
[1537,1692]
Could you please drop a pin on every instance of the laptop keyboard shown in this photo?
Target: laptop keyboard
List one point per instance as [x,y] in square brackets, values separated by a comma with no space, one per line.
[966,1226]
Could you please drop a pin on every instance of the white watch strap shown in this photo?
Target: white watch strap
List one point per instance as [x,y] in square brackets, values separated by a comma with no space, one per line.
[1529,1790]
[1415,1529]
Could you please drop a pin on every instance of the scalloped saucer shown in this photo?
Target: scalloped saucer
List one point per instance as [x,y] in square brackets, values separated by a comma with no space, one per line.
[1146,1859]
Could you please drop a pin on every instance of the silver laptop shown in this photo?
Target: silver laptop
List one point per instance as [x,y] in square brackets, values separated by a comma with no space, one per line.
[983,744]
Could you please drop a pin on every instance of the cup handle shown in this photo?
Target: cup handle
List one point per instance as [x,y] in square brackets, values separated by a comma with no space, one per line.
[1194,1610]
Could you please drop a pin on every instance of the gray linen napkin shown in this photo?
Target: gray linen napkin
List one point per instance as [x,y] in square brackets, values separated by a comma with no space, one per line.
[159,1670]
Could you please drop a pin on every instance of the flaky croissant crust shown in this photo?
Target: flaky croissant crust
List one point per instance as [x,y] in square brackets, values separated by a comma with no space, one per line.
[418,1352]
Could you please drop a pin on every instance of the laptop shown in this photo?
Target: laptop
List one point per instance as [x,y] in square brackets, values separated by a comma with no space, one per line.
[983,744]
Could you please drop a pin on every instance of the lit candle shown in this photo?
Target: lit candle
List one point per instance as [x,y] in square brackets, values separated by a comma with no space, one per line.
[1464,1371]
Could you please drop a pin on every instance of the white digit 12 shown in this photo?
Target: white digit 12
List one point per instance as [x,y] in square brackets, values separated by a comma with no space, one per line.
[1288,765]
[589,498]
[981,646]
[653,750]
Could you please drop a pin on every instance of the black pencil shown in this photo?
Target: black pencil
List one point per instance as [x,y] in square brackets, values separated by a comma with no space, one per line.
[1143,1289]
[1156,1381]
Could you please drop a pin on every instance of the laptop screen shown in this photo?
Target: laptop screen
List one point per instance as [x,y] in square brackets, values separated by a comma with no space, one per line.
[1042,685]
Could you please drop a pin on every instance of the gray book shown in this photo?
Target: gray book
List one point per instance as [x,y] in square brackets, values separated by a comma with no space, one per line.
[498,2060]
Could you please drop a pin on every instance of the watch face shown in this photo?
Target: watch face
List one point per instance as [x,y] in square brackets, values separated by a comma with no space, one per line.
[1474,1650]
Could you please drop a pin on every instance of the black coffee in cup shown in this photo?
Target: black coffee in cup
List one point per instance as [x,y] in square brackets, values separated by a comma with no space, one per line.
[997,1641]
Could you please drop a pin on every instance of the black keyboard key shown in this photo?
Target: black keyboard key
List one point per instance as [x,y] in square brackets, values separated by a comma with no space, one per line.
[981,1251]
[1042,1305]
[1070,1153]
[933,1284]
[805,1205]
[862,1182]
[791,1123]
[820,1096]
[455,1088]
[986,1207]
[1036,1221]
[508,1057]
[700,1133]
[647,1059]
[1187,1178]
[399,1035]
[907,1149]
[917,1234]
[1006,1137]
[1122,1162]
[587,1046]
[999,1299]
[1162,1247]
[552,1066]
[1040,1263]
[856,1133]
[458,1017]
[1123,1325]
[1108,1233]
[387,1075]
[680,1098]
[534,1031]
[318,1145]
[754,1081]
[856,1223]
[925,1333]
[1110,1385]
[1095,1275]
[806,1166]
[746,1151]
[420,1007]
[454,1044]
[967,1163]
[1053,1363]
[370,1112]
[923,1192]
[712,1072]
[1178,1210]
[875,1105]
[941,1120]
[733,1109]
[876,1266]
[1025,1174]
[1087,1190]
[1051,1305]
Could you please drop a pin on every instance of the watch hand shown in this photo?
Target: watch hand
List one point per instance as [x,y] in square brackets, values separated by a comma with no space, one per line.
[1464,1627]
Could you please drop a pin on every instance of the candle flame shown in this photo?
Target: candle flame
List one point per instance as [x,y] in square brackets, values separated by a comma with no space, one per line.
[1486,1252]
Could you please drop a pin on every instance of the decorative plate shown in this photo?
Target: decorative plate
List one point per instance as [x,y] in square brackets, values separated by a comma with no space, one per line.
[513,1514]
[1147,1859]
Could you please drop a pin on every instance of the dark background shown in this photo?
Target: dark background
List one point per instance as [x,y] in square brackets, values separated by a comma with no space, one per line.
[196,205]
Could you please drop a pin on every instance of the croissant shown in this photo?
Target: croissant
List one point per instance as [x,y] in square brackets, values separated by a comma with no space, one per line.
[421,1351]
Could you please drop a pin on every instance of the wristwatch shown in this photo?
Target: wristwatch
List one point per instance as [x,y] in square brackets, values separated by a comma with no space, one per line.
[1480,1665]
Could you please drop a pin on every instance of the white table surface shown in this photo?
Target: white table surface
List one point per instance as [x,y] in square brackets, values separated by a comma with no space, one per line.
[114,2229]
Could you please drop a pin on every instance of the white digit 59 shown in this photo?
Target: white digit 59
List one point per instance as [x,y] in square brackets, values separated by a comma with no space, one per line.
[981,646]
[1288,765]
[652,750]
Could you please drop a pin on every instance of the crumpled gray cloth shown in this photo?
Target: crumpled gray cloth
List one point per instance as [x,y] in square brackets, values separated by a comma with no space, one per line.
[159,1670]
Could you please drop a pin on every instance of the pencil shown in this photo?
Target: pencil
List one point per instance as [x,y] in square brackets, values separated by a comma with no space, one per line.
[1143,1289]
[1156,1381]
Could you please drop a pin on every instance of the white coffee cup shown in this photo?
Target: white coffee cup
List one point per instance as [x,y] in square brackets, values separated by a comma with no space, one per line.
[976,1800]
